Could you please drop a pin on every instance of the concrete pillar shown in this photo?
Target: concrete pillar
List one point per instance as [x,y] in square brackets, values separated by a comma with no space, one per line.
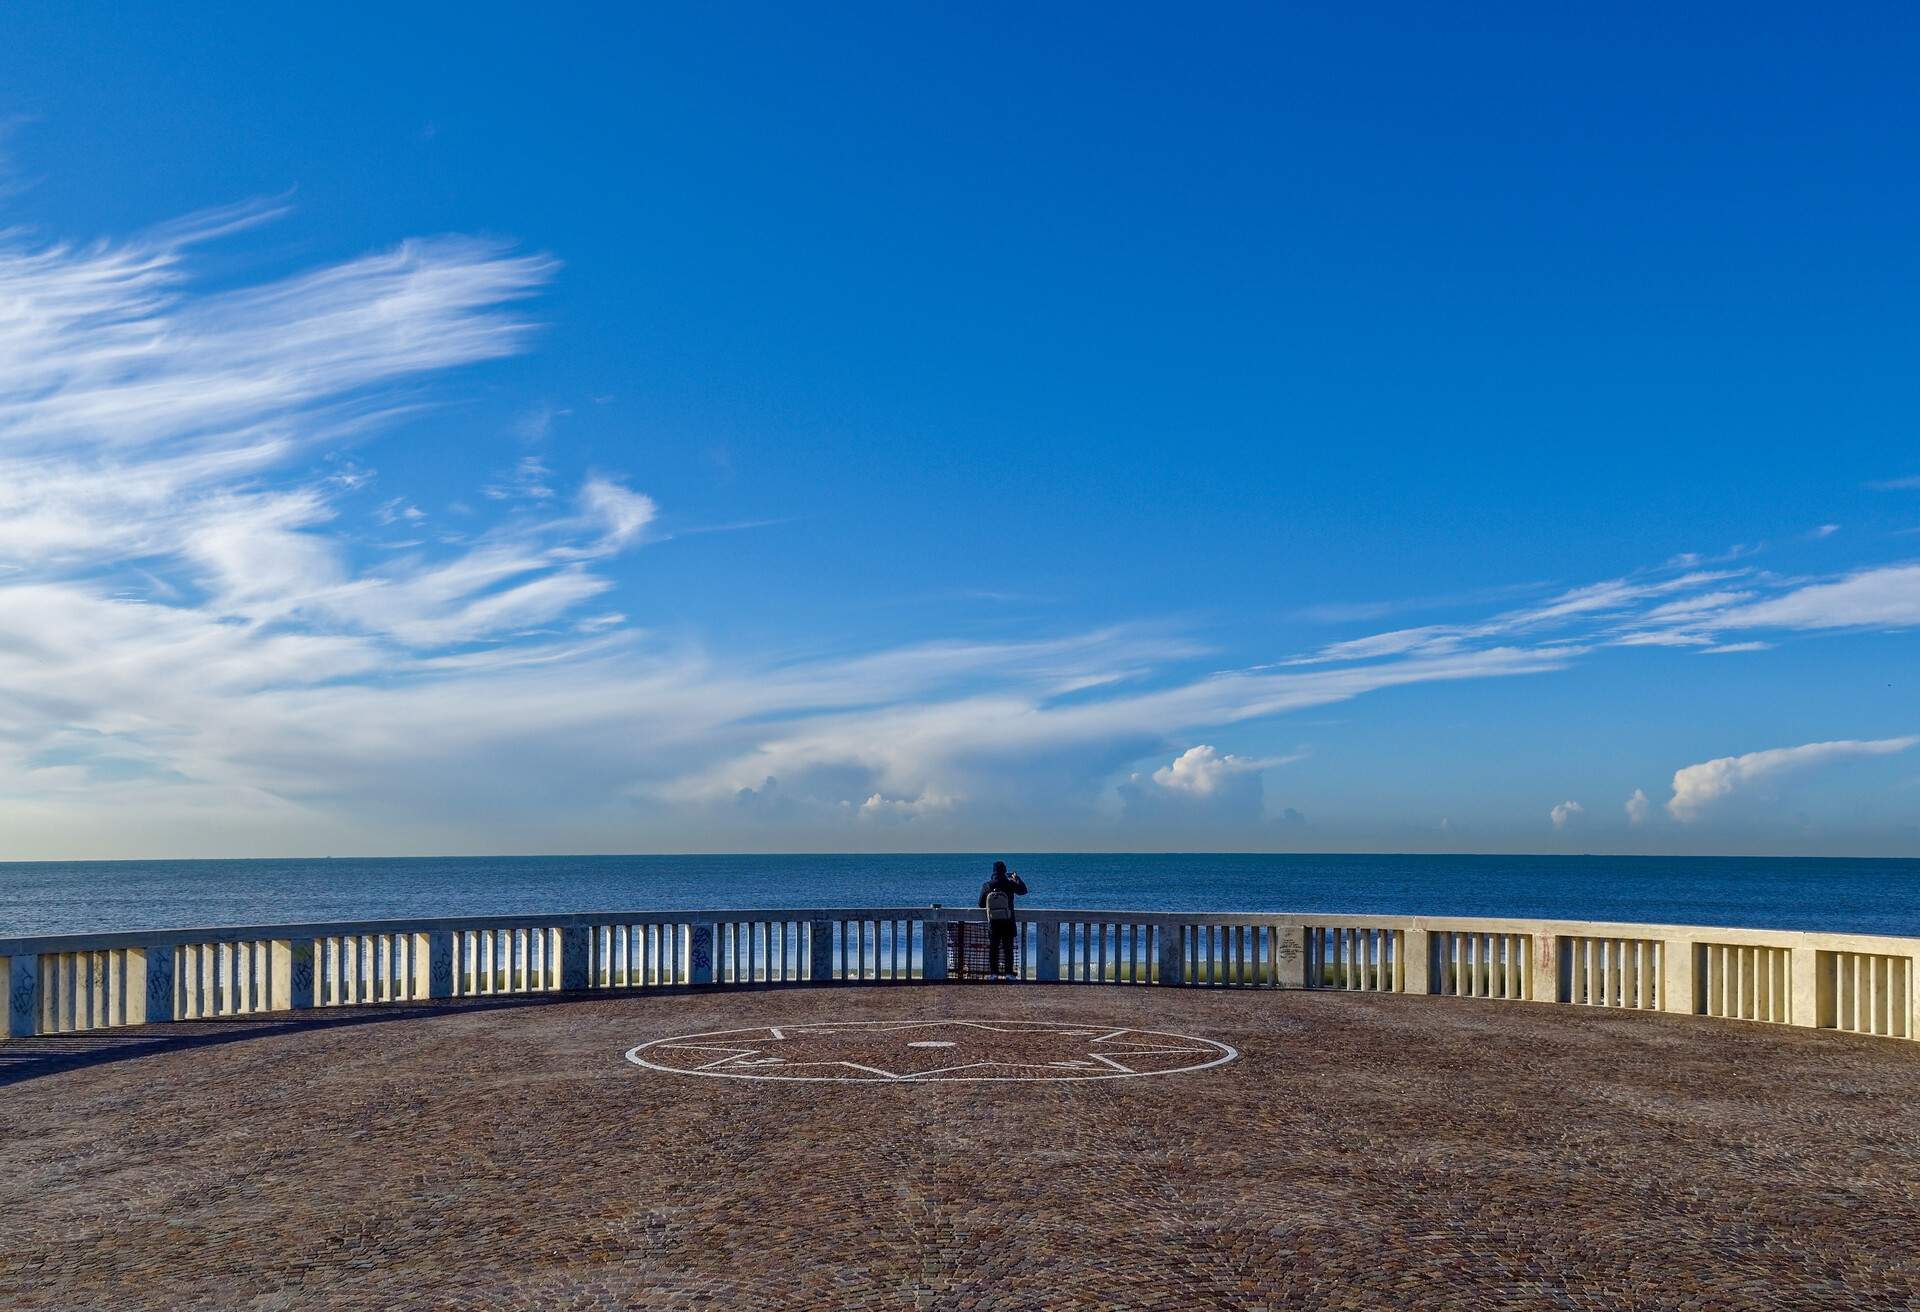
[280,974]
[103,995]
[1046,951]
[933,946]
[700,956]
[135,987]
[820,950]
[419,963]
[1418,946]
[1680,977]
[294,970]
[159,982]
[1812,991]
[576,958]
[1913,991]
[23,995]
[1290,956]
[440,963]
[1547,984]
[1172,958]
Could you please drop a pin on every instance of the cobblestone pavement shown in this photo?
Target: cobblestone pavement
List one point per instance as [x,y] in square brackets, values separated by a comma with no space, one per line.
[1360,1152]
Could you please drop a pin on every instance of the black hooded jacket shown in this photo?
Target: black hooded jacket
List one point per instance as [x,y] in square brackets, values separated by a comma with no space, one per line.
[1014,885]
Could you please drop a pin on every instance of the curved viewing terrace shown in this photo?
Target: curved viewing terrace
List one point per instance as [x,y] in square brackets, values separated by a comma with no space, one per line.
[803,1108]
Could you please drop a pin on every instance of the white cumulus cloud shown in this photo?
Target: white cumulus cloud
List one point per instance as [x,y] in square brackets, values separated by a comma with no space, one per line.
[1200,771]
[1564,813]
[1697,787]
[880,807]
[1638,807]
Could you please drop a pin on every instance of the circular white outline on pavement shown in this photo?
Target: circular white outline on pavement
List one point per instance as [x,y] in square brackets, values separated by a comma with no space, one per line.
[742,1063]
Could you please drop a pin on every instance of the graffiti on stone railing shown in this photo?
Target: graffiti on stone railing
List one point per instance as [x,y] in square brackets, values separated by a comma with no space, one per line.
[160,982]
[440,972]
[23,996]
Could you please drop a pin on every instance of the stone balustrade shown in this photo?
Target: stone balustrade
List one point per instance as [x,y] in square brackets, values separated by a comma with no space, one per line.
[67,983]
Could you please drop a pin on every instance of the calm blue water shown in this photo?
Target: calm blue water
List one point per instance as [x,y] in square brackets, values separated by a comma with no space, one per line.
[1867,896]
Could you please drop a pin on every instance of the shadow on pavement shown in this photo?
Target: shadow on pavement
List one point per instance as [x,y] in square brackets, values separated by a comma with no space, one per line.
[28,1058]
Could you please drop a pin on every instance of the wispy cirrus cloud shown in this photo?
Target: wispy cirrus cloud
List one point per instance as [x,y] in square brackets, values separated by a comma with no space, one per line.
[993,742]
[1883,598]
[200,651]
[1600,611]
[170,559]
[139,421]
[1695,609]
[187,632]
[1354,612]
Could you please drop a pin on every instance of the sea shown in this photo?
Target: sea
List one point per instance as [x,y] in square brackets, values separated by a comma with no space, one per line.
[1877,896]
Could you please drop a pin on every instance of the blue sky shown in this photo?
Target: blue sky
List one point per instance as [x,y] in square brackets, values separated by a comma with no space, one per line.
[939,427]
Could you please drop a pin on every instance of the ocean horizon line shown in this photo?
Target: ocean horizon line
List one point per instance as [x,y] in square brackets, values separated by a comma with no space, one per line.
[983,853]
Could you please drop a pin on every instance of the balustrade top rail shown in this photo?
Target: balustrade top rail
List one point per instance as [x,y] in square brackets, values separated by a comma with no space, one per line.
[45,943]
[64,982]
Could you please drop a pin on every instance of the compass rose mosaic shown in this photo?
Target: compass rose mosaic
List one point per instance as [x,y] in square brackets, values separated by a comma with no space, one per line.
[926,1051]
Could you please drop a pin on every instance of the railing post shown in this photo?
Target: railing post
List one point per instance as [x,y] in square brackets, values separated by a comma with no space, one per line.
[1812,1004]
[100,989]
[933,945]
[440,963]
[23,995]
[1679,987]
[1417,961]
[291,970]
[820,950]
[1290,956]
[1546,967]
[700,955]
[1046,952]
[134,997]
[160,964]
[1913,990]
[1172,955]
[576,957]
[303,974]
[418,978]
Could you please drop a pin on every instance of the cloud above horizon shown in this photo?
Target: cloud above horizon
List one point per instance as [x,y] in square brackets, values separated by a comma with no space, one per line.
[193,624]
[1204,785]
[1678,607]
[221,632]
[1696,788]
[1200,771]
[1638,807]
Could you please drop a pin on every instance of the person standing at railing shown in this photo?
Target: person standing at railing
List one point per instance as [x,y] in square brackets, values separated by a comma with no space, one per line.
[996,898]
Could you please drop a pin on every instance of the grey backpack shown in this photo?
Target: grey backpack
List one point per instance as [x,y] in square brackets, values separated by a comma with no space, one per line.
[999,904]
